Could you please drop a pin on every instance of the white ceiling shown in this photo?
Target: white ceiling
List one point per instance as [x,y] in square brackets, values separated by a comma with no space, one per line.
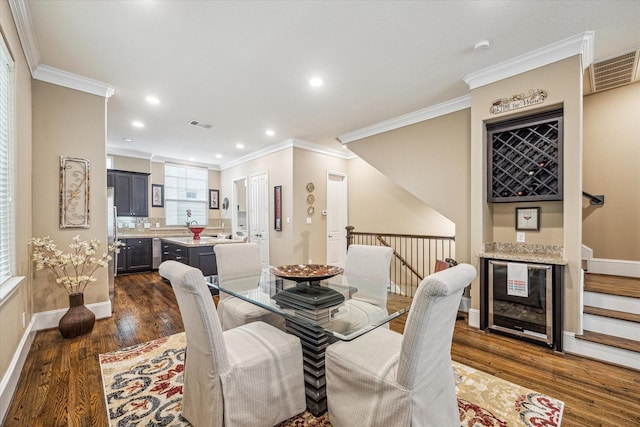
[244,66]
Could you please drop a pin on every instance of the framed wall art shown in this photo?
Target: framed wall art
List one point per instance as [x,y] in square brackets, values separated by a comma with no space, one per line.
[74,192]
[277,207]
[157,196]
[213,199]
[528,219]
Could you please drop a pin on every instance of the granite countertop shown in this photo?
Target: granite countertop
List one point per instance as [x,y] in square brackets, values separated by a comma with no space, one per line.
[544,254]
[129,233]
[202,241]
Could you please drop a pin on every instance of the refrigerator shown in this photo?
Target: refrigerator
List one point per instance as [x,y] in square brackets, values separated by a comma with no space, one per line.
[111,237]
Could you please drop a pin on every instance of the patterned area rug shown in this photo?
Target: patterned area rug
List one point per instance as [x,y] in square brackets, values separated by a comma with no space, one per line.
[143,387]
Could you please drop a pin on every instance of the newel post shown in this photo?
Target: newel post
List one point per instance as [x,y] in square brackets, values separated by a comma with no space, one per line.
[350,229]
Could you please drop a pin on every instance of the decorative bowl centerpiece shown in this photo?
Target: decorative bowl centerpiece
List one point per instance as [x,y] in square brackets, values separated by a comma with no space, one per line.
[312,273]
[196,231]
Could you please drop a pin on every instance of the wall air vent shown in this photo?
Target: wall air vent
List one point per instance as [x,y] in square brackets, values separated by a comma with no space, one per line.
[615,72]
[200,124]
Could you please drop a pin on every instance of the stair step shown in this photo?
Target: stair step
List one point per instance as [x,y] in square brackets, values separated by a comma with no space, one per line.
[613,285]
[623,343]
[614,314]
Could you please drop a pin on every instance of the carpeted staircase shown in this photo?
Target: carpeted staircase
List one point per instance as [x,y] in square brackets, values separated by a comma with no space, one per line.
[612,316]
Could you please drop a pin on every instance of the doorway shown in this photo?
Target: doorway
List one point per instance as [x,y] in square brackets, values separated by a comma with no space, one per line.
[259,214]
[336,218]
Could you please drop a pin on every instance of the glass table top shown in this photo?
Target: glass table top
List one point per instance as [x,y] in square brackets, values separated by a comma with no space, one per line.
[342,307]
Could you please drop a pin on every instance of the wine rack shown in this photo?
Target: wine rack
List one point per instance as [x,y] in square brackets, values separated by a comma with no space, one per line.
[525,159]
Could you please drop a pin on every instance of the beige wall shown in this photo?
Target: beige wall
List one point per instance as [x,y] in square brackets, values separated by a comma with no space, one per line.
[279,168]
[430,160]
[378,204]
[562,81]
[132,164]
[70,123]
[12,308]
[611,167]
[310,240]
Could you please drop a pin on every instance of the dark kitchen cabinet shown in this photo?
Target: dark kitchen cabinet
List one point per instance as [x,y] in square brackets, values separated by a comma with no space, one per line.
[130,192]
[135,256]
[201,257]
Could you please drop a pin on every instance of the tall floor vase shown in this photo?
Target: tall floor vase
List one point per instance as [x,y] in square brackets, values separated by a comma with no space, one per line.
[78,320]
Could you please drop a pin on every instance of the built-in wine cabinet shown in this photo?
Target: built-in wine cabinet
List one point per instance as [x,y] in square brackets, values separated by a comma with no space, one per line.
[525,158]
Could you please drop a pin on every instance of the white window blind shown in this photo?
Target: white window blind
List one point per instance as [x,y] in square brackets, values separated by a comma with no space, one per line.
[185,188]
[6,146]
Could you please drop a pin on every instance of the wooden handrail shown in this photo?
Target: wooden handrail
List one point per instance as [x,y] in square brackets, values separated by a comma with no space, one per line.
[414,255]
[595,200]
[401,258]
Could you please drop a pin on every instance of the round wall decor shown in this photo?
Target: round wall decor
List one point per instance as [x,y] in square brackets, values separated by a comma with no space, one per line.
[310,187]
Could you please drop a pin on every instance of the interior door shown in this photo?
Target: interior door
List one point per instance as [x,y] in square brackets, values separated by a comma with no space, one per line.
[259,214]
[336,218]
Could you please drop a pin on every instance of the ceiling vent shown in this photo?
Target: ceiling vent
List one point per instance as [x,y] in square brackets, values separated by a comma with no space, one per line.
[200,124]
[615,72]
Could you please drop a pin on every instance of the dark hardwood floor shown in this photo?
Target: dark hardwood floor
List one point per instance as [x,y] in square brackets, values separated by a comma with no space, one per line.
[61,385]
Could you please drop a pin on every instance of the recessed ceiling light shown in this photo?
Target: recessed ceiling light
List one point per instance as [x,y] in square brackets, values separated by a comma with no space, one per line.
[218,156]
[192,159]
[137,124]
[316,82]
[240,145]
[127,139]
[153,100]
[270,132]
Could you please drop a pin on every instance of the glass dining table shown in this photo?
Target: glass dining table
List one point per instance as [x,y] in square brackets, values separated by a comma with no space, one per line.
[319,312]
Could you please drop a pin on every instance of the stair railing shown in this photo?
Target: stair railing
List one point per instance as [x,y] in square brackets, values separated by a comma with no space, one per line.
[595,200]
[414,255]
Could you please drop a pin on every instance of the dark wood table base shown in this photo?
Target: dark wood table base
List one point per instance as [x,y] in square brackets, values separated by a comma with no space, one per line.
[314,344]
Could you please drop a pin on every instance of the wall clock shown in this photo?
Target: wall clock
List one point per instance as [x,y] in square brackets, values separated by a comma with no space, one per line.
[74,192]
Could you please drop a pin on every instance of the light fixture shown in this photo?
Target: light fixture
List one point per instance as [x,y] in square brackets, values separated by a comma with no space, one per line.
[127,139]
[218,156]
[137,124]
[316,82]
[482,46]
[153,100]
[270,132]
[240,145]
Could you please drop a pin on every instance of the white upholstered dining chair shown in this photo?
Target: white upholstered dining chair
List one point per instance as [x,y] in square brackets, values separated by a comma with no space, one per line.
[367,268]
[251,375]
[242,263]
[384,378]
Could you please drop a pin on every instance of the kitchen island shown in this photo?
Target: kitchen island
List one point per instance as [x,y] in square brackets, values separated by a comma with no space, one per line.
[197,253]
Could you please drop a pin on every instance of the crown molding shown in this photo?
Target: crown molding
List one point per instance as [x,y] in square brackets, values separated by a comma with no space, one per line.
[24,26]
[580,44]
[72,81]
[288,143]
[437,110]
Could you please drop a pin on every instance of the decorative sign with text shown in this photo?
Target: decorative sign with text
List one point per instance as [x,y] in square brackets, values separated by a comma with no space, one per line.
[503,105]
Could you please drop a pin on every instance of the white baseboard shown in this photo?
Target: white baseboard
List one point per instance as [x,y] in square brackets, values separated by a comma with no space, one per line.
[474,318]
[12,375]
[50,319]
[615,267]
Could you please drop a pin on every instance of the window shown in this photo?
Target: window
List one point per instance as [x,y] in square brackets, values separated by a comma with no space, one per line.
[185,188]
[6,151]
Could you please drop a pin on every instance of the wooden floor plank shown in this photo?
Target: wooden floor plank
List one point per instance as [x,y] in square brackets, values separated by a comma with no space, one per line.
[61,385]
